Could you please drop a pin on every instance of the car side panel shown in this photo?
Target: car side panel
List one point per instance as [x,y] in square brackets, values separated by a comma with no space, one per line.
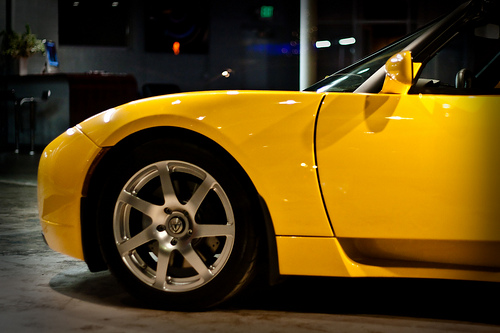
[417,167]
[327,257]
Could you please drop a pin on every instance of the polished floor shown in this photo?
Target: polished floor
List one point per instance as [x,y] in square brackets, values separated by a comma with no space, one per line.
[43,291]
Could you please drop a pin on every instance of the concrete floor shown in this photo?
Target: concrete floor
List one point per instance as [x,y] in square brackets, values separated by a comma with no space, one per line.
[43,291]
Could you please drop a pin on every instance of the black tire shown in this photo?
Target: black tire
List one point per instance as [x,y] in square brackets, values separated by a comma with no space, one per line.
[176,226]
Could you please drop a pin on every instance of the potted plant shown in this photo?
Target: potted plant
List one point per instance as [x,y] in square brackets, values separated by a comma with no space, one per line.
[21,46]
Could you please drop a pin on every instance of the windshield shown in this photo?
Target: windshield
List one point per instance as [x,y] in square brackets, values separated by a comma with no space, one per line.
[350,78]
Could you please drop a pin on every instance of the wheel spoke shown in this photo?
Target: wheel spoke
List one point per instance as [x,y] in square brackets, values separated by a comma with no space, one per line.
[133,243]
[166,185]
[212,230]
[164,255]
[137,203]
[199,195]
[195,261]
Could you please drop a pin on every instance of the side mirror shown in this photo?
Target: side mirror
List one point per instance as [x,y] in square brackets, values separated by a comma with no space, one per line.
[399,73]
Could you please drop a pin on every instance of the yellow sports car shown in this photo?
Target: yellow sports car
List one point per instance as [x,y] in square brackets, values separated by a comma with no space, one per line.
[387,168]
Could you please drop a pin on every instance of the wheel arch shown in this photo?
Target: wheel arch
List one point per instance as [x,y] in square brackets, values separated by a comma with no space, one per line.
[103,165]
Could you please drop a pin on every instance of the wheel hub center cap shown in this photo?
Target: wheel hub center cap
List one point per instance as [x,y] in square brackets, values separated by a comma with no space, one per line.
[176,225]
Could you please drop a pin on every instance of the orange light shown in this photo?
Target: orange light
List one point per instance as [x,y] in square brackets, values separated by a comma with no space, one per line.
[176,48]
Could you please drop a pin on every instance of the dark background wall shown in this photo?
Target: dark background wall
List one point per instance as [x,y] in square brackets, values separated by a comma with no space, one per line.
[262,53]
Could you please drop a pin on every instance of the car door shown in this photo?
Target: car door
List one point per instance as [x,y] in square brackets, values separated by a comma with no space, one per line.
[414,176]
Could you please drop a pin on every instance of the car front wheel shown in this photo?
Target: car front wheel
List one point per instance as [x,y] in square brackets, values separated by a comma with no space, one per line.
[177,226]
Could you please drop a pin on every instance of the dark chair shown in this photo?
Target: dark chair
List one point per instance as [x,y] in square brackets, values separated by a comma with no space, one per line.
[32,102]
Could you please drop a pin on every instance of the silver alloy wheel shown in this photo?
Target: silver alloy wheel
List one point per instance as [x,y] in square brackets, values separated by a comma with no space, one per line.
[173,226]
